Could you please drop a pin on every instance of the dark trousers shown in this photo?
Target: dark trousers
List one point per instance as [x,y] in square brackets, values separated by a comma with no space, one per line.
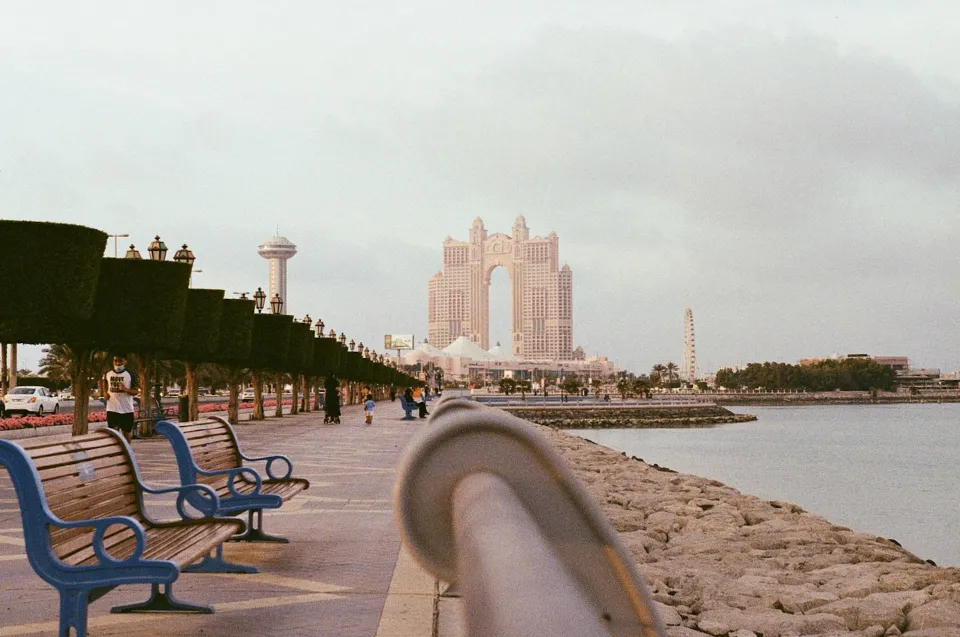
[423,409]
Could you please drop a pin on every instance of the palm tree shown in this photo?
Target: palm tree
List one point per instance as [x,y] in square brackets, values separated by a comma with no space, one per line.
[658,371]
[671,370]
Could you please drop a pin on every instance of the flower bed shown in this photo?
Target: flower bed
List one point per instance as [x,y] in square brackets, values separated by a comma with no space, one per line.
[52,420]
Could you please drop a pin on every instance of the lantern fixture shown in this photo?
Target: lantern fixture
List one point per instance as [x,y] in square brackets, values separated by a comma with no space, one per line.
[319,328]
[157,249]
[184,255]
[132,253]
[260,298]
[306,320]
[276,303]
[343,339]
[353,344]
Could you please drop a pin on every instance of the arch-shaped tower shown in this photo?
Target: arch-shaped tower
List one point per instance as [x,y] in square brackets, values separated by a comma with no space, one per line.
[541,292]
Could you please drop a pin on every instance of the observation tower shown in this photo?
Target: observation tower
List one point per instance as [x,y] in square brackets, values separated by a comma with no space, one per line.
[277,250]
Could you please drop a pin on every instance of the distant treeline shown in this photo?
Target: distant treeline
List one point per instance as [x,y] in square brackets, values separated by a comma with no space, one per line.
[849,374]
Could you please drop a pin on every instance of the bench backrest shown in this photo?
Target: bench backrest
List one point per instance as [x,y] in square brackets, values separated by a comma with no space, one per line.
[72,478]
[212,445]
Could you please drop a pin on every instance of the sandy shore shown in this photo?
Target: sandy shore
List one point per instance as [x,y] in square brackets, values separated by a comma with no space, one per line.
[726,564]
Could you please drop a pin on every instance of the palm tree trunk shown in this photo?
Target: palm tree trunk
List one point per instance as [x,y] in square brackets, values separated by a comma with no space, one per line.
[305,400]
[81,384]
[257,396]
[3,369]
[279,412]
[316,395]
[294,394]
[143,376]
[233,405]
[13,365]
[193,408]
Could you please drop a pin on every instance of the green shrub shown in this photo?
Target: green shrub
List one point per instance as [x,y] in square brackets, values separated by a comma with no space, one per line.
[140,306]
[201,326]
[236,332]
[49,280]
[271,341]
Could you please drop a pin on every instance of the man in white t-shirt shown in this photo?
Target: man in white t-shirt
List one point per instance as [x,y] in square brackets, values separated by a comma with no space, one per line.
[121,388]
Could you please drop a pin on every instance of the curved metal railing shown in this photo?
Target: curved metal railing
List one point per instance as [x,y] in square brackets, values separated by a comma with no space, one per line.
[483,500]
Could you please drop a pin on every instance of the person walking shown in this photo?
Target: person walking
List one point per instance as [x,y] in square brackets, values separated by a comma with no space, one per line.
[331,400]
[121,388]
[368,408]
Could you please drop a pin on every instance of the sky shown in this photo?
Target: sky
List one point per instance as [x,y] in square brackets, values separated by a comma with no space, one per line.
[790,171]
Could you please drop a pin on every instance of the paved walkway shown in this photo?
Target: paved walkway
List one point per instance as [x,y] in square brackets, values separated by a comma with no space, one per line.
[339,576]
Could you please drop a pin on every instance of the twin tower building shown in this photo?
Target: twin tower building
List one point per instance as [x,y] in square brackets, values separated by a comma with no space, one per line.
[541,292]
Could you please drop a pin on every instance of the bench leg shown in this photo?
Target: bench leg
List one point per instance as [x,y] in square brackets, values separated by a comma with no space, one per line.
[216,564]
[73,612]
[163,602]
[254,533]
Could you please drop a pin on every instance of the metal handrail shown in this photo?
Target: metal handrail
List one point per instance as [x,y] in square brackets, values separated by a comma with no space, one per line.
[482,499]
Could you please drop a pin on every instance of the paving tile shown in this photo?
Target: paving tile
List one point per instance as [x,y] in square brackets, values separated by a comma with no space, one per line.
[332,579]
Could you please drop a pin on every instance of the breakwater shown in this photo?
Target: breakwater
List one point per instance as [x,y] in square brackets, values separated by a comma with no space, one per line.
[722,563]
[627,416]
[831,398]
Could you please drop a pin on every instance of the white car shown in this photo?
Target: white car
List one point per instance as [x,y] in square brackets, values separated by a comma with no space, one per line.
[247,394]
[31,399]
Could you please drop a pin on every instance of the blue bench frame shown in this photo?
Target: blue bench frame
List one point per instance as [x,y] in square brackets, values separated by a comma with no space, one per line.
[407,408]
[81,585]
[252,503]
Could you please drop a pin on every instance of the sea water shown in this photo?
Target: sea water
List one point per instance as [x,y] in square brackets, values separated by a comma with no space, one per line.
[889,470]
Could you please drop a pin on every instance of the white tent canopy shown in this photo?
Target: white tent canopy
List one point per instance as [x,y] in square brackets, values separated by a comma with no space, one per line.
[498,353]
[465,348]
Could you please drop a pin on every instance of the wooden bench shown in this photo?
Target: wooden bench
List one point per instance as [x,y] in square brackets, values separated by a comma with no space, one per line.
[208,453]
[146,419]
[408,408]
[86,530]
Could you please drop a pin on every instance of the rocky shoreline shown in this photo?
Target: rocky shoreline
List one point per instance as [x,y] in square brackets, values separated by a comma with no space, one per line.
[628,417]
[724,564]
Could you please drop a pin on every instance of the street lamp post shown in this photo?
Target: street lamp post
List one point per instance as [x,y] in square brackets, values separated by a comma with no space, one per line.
[115,237]
[259,298]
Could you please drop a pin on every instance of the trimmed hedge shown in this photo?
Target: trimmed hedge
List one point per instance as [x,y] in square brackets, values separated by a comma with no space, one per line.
[300,333]
[49,279]
[201,326]
[306,358]
[271,341]
[350,366]
[140,306]
[236,332]
[327,354]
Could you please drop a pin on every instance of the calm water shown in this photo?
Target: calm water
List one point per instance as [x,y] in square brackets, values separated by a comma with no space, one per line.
[890,470]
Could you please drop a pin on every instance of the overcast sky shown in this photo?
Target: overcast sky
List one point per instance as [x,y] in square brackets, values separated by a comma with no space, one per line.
[788,170]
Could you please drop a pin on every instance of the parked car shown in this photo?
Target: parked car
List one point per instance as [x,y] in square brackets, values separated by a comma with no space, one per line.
[65,395]
[247,394]
[173,393]
[30,399]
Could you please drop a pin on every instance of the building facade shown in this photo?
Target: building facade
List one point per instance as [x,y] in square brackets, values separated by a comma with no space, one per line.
[541,292]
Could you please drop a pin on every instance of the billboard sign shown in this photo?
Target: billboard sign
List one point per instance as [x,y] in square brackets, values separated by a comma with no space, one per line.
[398,341]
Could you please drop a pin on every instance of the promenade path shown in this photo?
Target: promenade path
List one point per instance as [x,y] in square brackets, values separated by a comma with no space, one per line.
[339,576]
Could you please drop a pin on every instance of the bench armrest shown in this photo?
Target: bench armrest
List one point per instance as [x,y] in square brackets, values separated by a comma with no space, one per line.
[233,473]
[205,499]
[270,460]
[100,526]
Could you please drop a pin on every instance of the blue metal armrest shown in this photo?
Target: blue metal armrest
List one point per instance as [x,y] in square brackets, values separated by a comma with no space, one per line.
[233,473]
[100,526]
[270,460]
[205,500]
